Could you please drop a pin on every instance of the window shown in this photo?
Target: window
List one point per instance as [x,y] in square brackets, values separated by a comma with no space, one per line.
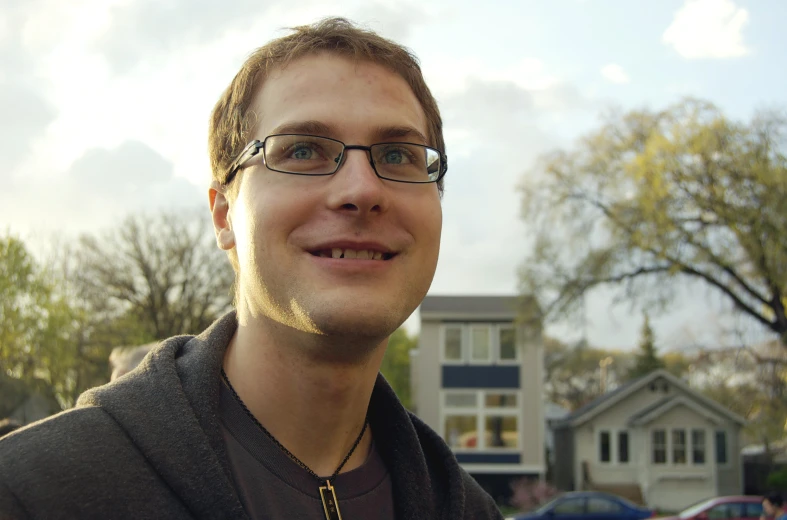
[461,400]
[453,344]
[720,512]
[481,420]
[501,432]
[603,506]
[659,446]
[479,344]
[461,431]
[500,400]
[753,509]
[623,447]
[698,446]
[507,338]
[721,447]
[603,447]
[679,446]
[570,506]
[727,511]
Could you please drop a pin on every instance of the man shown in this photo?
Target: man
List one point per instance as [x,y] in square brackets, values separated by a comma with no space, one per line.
[773,507]
[327,158]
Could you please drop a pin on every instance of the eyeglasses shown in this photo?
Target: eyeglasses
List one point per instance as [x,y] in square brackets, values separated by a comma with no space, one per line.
[314,155]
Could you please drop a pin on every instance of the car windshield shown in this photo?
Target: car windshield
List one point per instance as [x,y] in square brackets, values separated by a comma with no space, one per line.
[694,510]
[549,505]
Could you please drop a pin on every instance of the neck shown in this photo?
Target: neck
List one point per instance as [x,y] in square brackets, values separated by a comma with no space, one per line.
[315,408]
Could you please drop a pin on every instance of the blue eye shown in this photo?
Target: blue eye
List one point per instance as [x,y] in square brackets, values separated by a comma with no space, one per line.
[394,157]
[303,153]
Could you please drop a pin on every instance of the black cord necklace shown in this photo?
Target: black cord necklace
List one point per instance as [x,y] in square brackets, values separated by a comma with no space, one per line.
[330,503]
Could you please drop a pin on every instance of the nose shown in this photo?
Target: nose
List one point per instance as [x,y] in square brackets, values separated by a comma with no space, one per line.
[355,187]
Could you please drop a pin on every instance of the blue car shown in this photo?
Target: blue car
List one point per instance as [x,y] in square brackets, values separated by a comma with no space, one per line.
[588,505]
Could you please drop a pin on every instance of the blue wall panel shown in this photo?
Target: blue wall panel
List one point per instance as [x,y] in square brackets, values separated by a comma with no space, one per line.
[471,376]
[488,458]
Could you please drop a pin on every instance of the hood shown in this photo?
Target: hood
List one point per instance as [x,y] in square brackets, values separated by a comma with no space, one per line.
[168,407]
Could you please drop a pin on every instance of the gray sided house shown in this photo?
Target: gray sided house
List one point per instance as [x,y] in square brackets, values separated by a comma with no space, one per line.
[477,380]
[653,440]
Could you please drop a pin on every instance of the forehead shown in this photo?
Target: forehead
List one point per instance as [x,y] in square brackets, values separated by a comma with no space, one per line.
[352,98]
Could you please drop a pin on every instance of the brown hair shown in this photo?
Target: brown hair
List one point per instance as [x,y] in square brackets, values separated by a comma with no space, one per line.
[232,120]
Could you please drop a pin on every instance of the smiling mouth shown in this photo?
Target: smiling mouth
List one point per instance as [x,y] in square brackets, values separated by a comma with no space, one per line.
[352,254]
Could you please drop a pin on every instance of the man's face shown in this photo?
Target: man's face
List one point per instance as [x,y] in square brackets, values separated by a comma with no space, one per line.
[768,507]
[286,227]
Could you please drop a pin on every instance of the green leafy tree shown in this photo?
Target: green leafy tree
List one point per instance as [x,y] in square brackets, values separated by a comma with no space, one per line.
[751,382]
[41,338]
[576,374]
[396,365]
[654,199]
[647,359]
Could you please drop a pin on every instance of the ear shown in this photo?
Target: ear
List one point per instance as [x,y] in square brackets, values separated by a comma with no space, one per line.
[219,209]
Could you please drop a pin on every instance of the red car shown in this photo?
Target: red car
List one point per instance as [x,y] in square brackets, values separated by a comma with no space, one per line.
[723,508]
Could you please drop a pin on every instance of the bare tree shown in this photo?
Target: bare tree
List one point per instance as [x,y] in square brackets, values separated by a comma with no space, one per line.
[153,276]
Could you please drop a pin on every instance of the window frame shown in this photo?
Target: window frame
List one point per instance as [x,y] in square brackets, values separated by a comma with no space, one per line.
[694,445]
[481,412]
[664,447]
[498,359]
[600,446]
[462,344]
[471,328]
[618,436]
[684,446]
[726,447]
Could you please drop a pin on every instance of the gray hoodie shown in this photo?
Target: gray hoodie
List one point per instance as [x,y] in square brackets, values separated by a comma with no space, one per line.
[148,445]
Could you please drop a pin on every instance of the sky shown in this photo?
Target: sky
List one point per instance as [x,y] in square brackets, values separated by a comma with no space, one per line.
[104,107]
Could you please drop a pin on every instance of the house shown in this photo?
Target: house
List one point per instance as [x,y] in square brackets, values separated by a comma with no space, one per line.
[477,380]
[653,440]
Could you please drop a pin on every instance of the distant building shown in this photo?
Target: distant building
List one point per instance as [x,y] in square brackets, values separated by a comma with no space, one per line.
[477,380]
[653,440]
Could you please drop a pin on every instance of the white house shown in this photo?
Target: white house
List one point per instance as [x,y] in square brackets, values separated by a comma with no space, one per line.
[653,439]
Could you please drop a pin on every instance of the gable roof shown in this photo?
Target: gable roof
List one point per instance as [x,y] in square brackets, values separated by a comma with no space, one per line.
[606,401]
[662,406]
[598,401]
[463,304]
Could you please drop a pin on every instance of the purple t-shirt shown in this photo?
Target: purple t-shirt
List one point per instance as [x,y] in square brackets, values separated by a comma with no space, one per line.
[273,486]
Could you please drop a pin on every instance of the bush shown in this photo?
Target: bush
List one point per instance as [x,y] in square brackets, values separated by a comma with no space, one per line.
[529,493]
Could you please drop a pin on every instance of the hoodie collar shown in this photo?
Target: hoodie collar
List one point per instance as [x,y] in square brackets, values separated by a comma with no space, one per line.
[168,407]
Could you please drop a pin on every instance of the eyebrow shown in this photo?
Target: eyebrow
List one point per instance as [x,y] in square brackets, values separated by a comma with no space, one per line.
[385,133]
[381,133]
[304,127]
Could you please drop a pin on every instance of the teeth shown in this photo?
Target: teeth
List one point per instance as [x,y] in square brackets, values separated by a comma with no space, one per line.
[363,254]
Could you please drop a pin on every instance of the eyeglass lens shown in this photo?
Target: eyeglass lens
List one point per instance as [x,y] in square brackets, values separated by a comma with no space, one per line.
[312,155]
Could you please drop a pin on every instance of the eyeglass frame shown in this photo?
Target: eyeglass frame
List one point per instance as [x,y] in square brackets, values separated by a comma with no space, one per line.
[254,147]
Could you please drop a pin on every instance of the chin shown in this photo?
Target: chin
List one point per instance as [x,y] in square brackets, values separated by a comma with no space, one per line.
[374,322]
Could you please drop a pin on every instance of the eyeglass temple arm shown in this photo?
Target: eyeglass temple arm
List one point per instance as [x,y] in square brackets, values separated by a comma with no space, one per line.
[252,149]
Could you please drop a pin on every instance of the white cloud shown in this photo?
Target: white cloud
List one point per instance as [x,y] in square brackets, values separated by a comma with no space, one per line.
[614,73]
[447,73]
[708,29]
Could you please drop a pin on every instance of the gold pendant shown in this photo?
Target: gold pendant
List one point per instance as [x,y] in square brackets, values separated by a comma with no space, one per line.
[329,502]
